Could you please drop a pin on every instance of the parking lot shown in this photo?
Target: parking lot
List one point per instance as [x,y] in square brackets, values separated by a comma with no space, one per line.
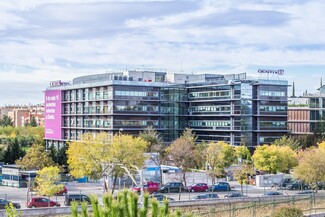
[20,194]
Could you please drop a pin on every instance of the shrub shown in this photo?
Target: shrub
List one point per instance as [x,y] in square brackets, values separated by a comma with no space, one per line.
[288,212]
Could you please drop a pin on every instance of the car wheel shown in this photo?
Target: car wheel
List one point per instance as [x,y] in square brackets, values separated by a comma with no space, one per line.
[206,190]
[154,192]
[33,206]
[192,190]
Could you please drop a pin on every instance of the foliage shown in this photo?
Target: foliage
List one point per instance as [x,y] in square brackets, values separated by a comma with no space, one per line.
[32,123]
[59,155]
[6,121]
[126,205]
[36,158]
[311,166]
[199,154]
[219,156]
[13,151]
[151,136]
[243,153]
[287,141]
[243,173]
[288,212]
[181,152]
[11,211]
[46,179]
[272,159]
[96,153]
[85,156]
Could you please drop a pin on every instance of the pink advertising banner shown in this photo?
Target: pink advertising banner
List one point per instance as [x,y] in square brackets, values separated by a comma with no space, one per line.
[53,110]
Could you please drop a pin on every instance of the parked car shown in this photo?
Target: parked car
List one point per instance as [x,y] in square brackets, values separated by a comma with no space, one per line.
[306,192]
[41,202]
[234,194]
[4,203]
[199,187]
[207,196]
[76,197]
[161,197]
[172,187]
[150,187]
[221,186]
[272,193]
[63,191]
[297,185]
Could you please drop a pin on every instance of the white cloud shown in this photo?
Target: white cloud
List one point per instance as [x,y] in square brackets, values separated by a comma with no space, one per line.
[44,40]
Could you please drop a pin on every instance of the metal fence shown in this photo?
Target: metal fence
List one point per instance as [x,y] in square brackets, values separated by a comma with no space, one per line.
[252,207]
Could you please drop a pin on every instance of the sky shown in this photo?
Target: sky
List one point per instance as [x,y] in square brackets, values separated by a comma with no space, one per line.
[47,40]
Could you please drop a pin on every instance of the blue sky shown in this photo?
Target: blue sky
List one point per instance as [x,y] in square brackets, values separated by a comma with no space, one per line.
[46,40]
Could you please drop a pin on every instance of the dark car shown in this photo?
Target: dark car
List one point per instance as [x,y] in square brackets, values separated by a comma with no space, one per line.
[306,192]
[207,196]
[172,187]
[41,202]
[297,185]
[234,194]
[221,186]
[272,193]
[161,197]
[199,187]
[77,198]
[4,203]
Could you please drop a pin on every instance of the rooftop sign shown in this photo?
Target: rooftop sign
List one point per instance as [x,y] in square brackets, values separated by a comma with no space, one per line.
[269,71]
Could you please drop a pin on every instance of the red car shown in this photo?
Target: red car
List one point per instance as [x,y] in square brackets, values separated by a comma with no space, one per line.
[150,187]
[199,187]
[41,202]
[63,191]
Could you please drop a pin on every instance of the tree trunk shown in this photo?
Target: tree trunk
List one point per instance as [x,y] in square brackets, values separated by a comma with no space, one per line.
[241,188]
[113,188]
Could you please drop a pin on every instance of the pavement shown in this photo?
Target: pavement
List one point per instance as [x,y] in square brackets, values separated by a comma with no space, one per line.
[95,188]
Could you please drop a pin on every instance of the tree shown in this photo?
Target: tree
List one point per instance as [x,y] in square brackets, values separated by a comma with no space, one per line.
[36,158]
[13,151]
[6,121]
[181,152]
[242,152]
[95,153]
[272,159]
[86,156]
[199,155]
[287,141]
[46,179]
[311,166]
[156,148]
[243,173]
[219,156]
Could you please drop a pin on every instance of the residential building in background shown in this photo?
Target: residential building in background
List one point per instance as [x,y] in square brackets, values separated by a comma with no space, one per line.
[23,114]
[306,114]
[230,108]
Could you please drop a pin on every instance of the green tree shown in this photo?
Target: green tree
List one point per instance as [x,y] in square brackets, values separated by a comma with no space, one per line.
[273,159]
[287,141]
[243,173]
[46,179]
[199,155]
[311,166]
[13,151]
[243,153]
[36,158]
[6,121]
[219,156]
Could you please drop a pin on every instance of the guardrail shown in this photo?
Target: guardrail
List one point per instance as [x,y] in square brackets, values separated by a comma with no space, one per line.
[237,207]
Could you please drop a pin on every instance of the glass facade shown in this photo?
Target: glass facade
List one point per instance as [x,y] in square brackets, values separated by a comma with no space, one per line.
[250,112]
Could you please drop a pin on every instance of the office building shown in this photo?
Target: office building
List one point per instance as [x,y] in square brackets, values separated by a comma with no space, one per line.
[230,108]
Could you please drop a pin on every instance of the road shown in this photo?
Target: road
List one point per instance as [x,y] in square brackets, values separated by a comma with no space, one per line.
[20,195]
